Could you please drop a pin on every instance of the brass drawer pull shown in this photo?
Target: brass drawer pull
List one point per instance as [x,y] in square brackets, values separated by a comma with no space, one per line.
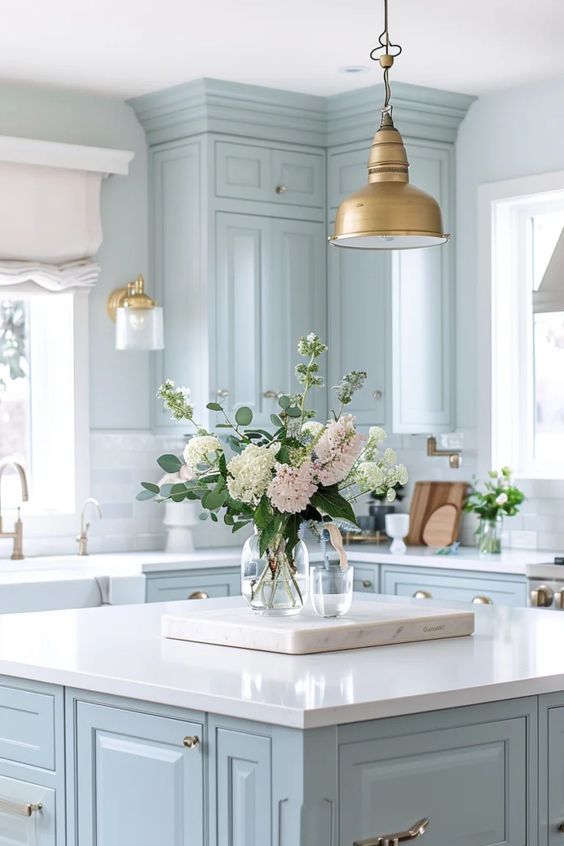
[191,742]
[20,809]
[422,594]
[199,594]
[366,583]
[416,830]
[482,600]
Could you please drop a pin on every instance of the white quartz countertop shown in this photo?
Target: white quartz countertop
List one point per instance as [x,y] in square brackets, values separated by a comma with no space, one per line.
[120,651]
[509,561]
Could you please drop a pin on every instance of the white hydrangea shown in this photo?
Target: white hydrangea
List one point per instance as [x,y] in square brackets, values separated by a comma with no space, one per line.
[200,449]
[390,456]
[369,475]
[250,473]
[313,428]
[376,437]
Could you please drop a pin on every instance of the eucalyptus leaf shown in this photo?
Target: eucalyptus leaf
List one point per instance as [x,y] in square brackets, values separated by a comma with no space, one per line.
[214,499]
[284,402]
[143,495]
[293,411]
[214,406]
[244,416]
[275,420]
[214,518]
[169,463]
[150,486]
[203,515]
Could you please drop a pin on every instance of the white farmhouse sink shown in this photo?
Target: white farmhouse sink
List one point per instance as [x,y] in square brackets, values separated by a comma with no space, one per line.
[47,591]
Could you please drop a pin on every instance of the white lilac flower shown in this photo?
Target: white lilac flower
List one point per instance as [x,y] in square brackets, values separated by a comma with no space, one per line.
[349,384]
[501,499]
[202,449]
[369,475]
[313,428]
[390,456]
[250,473]
[376,437]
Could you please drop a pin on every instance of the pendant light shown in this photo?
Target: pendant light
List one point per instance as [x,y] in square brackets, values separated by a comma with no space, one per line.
[138,319]
[389,213]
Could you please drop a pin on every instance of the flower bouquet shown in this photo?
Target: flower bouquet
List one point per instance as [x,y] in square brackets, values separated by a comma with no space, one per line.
[302,470]
[498,498]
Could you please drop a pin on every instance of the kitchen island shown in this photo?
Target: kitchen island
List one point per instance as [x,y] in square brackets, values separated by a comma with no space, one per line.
[124,737]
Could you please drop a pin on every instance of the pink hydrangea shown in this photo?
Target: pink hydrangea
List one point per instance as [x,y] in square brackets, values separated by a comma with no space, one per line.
[292,487]
[337,450]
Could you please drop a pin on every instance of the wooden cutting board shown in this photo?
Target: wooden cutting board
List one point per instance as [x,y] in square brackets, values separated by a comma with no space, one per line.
[441,527]
[427,497]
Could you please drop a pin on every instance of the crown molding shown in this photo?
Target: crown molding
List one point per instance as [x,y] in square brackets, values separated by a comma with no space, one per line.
[213,105]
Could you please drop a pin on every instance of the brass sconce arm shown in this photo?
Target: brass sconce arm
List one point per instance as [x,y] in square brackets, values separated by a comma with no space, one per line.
[453,455]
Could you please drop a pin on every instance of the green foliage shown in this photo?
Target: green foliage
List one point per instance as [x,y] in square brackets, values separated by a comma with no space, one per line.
[329,501]
[498,497]
[243,416]
[169,463]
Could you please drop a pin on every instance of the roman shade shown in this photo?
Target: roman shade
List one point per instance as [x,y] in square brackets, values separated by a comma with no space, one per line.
[550,295]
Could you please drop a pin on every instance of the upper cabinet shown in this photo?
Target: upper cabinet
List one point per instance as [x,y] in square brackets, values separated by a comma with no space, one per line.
[245,182]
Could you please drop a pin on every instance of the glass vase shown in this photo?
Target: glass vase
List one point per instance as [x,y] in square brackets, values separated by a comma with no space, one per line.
[275,583]
[489,536]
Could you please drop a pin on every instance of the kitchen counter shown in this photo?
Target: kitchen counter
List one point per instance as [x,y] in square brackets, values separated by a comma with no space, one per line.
[120,651]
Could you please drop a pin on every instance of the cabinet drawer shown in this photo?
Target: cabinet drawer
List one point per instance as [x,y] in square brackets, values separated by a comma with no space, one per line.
[27,729]
[16,828]
[461,586]
[287,177]
[470,783]
[172,587]
[365,578]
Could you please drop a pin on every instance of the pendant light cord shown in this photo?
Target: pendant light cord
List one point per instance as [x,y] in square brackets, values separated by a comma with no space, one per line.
[386,59]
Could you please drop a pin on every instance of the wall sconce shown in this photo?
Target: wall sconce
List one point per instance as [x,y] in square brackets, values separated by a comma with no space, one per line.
[138,319]
[453,455]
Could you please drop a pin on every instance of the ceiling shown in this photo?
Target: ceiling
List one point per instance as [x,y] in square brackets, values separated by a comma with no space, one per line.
[129,47]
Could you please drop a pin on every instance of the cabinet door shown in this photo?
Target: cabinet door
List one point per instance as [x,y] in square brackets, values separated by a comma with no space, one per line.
[298,178]
[243,255]
[470,782]
[16,829]
[293,304]
[358,327]
[137,783]
[177,266]
[422,311]
[463,587]
[242,171]
[366,577]
[193,586]
[553,801]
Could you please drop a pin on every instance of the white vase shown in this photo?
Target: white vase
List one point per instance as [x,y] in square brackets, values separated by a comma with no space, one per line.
[397,527]
[180,519]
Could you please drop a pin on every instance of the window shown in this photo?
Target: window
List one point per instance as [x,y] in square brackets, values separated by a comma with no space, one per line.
[526,298]
[43,410]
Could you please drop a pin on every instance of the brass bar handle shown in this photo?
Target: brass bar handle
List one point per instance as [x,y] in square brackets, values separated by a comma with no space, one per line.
[20,809]
[417,830]
[199,594]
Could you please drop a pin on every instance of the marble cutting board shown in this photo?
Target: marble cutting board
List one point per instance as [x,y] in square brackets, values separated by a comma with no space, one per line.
[369,623]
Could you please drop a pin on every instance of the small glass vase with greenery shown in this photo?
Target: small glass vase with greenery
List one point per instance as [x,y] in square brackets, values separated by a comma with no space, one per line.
[497,498]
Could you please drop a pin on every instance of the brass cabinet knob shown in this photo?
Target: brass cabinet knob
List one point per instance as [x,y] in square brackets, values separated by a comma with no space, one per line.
[366,583]
[542,597]
[280,189]
[561,828]
[191,741]
[271,394]
[222,392]
[482,600]
[199,594]
[377,395]
[422,594]
[417,830]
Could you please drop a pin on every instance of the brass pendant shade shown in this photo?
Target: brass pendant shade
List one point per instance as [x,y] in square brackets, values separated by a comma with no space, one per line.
[389,213]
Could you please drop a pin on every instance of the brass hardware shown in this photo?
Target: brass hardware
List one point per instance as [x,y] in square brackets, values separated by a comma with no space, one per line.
[422,594]
[482,600]
[559,601]
[417,830]
[366,583]
[82,538]
[280,189]
[17,534]
[561,828]
[191,741]
[222,393]
[271,394]
[542,597]
[377,395]
[453,455]
[131,295]
[199,594]
[20,809]
[388,213]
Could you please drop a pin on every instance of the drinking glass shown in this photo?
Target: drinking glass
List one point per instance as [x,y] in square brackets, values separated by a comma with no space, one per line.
[331,590]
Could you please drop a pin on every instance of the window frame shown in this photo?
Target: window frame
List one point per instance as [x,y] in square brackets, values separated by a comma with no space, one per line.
[505,362]
[40,522]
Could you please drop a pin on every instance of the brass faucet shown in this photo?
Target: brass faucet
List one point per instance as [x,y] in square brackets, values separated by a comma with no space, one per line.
[82,538]
[453,455]
[17,534]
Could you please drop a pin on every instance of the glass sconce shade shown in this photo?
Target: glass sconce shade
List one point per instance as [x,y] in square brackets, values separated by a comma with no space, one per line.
[139,328]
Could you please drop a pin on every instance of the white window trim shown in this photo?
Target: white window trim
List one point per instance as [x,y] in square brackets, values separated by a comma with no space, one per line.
[39,524]
[491,284]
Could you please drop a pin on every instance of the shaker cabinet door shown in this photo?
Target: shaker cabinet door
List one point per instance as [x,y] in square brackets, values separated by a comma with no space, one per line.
[422,311]
[138,784]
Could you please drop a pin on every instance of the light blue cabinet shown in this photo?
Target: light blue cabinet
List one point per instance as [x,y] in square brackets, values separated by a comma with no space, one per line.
[460,585]
[139,778]
[270,290]
[16,828]
[193,584]
[551,771]
[470,780]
